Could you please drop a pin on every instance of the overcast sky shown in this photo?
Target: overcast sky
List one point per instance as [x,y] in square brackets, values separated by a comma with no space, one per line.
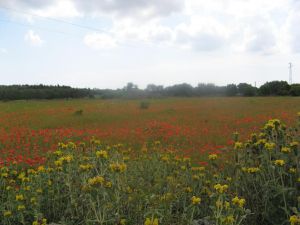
[107,43]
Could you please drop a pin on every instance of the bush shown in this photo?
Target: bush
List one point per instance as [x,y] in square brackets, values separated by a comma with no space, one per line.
[78,112]
[144,105]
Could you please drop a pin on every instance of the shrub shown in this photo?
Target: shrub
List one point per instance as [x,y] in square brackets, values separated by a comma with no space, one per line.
[78,112]
[144,105]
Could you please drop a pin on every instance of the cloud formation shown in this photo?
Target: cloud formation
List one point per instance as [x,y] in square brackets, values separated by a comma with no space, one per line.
[136,8]
[253,26]
[32,38]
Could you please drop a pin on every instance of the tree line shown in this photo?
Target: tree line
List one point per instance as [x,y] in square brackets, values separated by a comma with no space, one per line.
[26,92]
[273,88]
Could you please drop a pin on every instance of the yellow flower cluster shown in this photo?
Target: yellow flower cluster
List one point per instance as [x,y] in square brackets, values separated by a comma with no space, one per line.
[220,204]
[61,160]
[86,167]
[96,180]
[165,158]
[153,221]
[118,167]
[270,146]
[195,200]
[285,150]
[212,156]
[229,219]
[7,213]
[295,220]
[221,188]
[102,154]
[238,201]
[199,168]
[40,222]
[294,144]
[279,162]
[238,145]
[250,169]
[19,197]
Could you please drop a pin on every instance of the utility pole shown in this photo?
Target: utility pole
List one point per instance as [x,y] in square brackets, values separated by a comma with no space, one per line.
[291,73]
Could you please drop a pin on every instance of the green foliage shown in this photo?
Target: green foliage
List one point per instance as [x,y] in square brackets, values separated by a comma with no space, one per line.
[266,172]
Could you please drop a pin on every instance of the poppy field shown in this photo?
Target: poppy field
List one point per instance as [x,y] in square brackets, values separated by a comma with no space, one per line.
[211,161]
[197,126]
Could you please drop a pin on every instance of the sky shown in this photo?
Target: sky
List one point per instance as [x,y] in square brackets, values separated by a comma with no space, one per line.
[107,43]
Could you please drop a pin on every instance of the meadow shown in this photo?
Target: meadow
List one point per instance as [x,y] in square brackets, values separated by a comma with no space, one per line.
[180,161]
[195,125]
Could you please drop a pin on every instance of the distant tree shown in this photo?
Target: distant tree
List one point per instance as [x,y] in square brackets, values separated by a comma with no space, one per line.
[18,92]
[130,86]
[245,89]
[295,90]
[154,88]
[180,90]
[231,90]
[275,88]
[209,90]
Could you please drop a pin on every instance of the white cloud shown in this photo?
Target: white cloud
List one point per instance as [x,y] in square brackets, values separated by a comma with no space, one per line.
[100,41]
[255,26]
[33,38]
[60,9]
[131,8]
[293,30]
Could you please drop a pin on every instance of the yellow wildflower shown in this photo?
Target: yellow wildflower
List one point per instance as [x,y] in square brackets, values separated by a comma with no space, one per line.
[229,219]
[212,156]
[4,175]
[270,146]
[96,180]
[149,221]
[118,167]
[19,197]
[239,201]
[279,162]
[102,154]
[221,188]
[41,169]
[238,145]
[195,200]
[86,167]
[295,220]
[285,150]
[21,207]
[188,189]
[7,213]
[253,170]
